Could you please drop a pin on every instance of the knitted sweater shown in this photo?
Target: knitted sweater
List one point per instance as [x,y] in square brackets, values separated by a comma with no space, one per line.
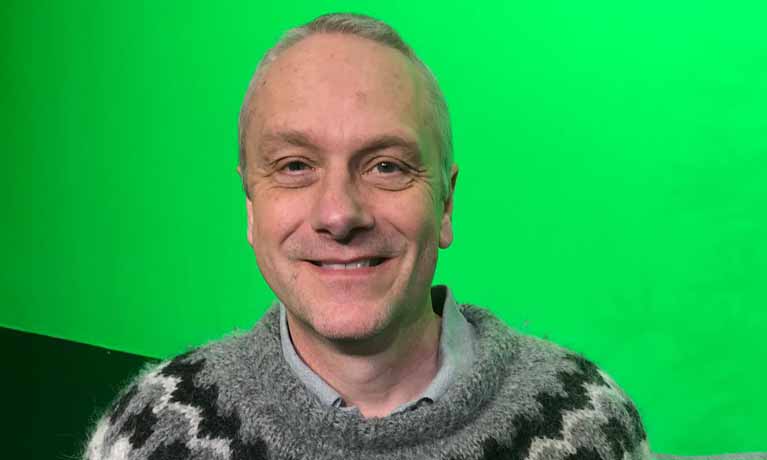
[237,399]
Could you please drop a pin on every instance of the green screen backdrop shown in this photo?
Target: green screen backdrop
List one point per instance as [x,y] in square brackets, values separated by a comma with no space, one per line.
[612,194]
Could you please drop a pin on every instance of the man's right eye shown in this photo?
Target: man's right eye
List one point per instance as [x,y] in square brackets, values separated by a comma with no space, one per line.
[295,166]
[295,172]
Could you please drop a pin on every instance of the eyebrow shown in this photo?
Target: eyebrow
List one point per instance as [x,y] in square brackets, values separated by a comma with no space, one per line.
[385,141]
[289,137]
[301,139]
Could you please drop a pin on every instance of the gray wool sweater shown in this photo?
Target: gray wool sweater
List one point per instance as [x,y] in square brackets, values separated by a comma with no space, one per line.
[524,398]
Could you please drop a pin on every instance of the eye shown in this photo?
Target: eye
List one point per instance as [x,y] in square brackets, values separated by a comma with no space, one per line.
[387,167]
[389,174]
[294,172]
[295,166]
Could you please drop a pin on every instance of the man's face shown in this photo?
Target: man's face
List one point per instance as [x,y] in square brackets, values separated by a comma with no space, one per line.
[345,214]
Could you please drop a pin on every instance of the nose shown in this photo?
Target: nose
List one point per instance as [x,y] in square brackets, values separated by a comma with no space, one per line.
[339,210]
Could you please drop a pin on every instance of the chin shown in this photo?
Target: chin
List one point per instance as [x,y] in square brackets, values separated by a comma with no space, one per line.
[346,323]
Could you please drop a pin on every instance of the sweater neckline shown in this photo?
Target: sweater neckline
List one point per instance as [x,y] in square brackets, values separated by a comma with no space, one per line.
[295,406]
[456,354]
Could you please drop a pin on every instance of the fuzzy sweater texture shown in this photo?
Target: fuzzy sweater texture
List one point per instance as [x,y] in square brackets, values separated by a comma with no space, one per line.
[237,399]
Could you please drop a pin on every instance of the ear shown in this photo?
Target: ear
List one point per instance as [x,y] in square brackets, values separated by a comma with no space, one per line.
[248,209]
[446,229]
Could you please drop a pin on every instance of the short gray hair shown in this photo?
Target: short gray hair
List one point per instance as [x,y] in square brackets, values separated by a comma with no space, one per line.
[437,116]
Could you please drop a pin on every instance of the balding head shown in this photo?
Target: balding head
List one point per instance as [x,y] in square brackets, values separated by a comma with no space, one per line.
[435,117]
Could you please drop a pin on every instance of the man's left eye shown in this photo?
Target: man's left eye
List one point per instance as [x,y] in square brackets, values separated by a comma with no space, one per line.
[388,174]
[387,167]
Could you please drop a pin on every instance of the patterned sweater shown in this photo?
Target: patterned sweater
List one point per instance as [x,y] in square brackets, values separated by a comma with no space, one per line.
[237,399]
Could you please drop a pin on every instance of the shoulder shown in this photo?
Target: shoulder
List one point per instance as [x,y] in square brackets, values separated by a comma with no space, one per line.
[558,403]
[185,404]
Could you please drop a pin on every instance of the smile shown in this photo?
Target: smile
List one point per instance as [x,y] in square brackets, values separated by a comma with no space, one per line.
[335,265]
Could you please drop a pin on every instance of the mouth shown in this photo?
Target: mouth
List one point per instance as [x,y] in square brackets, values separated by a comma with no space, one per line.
[351,265]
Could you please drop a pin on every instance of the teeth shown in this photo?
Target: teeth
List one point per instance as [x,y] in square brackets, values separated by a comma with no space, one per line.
[360,264]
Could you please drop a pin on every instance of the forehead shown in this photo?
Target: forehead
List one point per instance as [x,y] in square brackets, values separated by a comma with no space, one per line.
[340,87]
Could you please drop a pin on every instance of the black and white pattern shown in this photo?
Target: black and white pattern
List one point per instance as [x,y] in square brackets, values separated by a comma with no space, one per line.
[210,434]
[553,433]
[557,406]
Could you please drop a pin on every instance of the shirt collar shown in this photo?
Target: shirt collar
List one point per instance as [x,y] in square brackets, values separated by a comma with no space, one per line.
[456,354]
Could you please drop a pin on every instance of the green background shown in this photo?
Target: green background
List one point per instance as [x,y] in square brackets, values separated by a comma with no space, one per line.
[612,192]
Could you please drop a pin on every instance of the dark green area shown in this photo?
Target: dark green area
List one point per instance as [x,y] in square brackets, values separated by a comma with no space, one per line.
[611,197]
[54,391]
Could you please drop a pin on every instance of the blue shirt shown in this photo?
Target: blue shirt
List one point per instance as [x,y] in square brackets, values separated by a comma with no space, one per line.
[456,355]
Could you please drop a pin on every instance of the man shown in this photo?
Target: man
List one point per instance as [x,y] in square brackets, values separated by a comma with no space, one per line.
[346,161]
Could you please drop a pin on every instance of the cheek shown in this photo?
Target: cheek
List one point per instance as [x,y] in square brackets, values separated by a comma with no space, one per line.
[275,218]
[415,219]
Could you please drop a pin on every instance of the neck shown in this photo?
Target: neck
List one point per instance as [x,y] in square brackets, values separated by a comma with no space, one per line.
[382,377]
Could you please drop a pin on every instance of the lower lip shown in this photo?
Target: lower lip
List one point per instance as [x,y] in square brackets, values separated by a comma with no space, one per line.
[349,272]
